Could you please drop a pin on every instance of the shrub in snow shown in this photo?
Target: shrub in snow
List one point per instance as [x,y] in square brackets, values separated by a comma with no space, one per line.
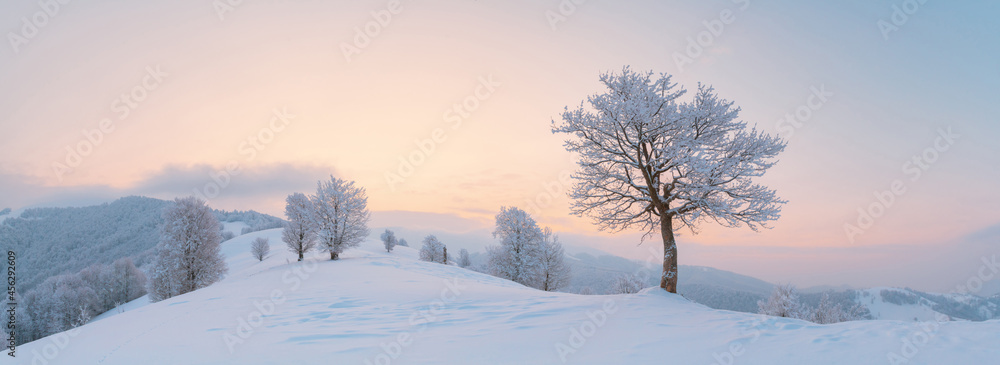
[433,250]
[188,256]
[227,235]
[553,273]
[388,240]
[463,258]
[586,291]
[259,248]
[299,234]
[650,161]
[402,242]
[829,312]
[340,215]
[626,284]
[783,302]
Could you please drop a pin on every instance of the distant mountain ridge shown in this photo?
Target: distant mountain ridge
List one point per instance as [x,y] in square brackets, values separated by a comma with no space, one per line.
[54,241]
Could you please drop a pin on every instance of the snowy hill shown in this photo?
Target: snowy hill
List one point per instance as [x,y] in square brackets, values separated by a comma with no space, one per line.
[912,305]
[53,241]
[381,308]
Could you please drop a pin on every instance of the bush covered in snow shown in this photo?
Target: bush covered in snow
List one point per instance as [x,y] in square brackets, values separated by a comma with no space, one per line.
[188,256]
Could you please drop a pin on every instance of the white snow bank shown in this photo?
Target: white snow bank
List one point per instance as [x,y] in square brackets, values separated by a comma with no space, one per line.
[373,307]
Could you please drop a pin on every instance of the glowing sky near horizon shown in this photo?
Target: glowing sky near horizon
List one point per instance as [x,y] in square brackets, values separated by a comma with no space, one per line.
[223,78]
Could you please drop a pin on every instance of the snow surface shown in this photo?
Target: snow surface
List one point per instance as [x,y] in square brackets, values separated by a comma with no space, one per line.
[373,307]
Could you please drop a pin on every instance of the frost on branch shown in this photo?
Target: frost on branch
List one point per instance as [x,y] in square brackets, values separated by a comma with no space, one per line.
[649,160]
[340,215]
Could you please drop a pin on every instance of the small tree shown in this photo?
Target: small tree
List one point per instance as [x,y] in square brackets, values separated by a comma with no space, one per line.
[299,233]
[516,258]
[553,273]
[388,240]
[341,215]
[648,161]
[586,291]
[827,312]
[188,256]
[783,302]
[626,284]
[433,250]
[402,242]
[127,281]
[260,248]
[463,258]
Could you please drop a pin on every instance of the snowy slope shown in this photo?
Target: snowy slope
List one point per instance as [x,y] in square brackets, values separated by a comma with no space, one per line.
[882,309]
[389,308]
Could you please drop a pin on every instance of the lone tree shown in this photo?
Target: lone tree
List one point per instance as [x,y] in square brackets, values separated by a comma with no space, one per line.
[388,240]
[299,233]
[188,256]
[463,258]
[259,248]
[649,161]
[433,250]
[517,257]
[553,273]
[340,215]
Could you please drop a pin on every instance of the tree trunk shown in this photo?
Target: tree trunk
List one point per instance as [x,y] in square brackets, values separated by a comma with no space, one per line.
[333,255]
[668,281]
[300,255]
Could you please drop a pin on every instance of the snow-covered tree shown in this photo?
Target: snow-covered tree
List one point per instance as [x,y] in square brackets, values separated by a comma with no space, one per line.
[517,257]
[188,256]
[553,273]
[259,248]
[127,282]
[626,284]
[402,242]
[340,215]
[586,291]
[463,258]
[649,161]
[433,250]
[388,240]
[299,234]
[828,312]
[783,302]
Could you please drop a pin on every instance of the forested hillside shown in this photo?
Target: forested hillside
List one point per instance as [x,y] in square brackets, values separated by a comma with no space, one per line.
[54,241]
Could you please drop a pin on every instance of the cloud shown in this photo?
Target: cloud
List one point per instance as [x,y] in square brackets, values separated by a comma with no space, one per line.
[244,188]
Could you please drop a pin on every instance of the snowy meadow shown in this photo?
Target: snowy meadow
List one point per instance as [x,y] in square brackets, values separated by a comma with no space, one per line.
[560,182]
